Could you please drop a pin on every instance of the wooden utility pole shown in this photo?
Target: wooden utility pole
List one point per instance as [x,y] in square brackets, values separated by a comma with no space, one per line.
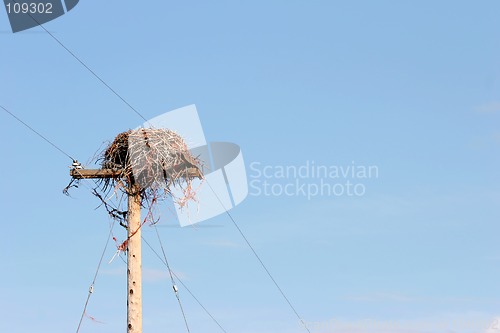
[134,261]
[134,241]
[133,246]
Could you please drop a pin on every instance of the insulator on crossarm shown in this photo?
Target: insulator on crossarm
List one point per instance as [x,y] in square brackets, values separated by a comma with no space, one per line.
[76,165]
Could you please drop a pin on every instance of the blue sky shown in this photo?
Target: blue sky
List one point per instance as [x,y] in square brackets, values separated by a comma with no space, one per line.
[411,87]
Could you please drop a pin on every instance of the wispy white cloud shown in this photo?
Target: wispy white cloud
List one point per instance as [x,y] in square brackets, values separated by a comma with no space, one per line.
[114,271]
[496,137]
[223,243]
[490,257]
[453,323]
[397,297]
[150,275]
[492,107]
[381,296]
[156,275]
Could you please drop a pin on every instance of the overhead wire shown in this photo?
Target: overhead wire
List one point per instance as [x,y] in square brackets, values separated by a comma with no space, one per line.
[36,132]
[86,66]
[226,211]
[174,287]
[141,116]
[223,206]
[109,236]
[259,259]
[91,288]
[185,287]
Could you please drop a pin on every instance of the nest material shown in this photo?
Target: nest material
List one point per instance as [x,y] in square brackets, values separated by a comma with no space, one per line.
[153,159]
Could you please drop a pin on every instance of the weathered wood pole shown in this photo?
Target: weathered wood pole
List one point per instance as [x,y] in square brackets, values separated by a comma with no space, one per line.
[134,240]
[134,267]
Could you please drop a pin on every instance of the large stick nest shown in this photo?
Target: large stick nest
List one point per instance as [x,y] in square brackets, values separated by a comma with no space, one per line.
[151,159]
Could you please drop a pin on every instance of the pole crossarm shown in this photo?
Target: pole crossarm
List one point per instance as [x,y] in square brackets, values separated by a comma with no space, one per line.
[186,170]
[116,173]
[139,162]
[94,173]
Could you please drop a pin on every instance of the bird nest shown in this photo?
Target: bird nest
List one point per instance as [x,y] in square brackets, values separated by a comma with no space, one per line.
[147,162]
[151,161]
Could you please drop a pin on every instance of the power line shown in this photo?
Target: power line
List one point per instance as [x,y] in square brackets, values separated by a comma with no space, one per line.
[36,132]
[87,67]
[185,287]
[95,75]
[140,115]
[100,261]
[91,288]
[227,212]
[176,291]
[260,260]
